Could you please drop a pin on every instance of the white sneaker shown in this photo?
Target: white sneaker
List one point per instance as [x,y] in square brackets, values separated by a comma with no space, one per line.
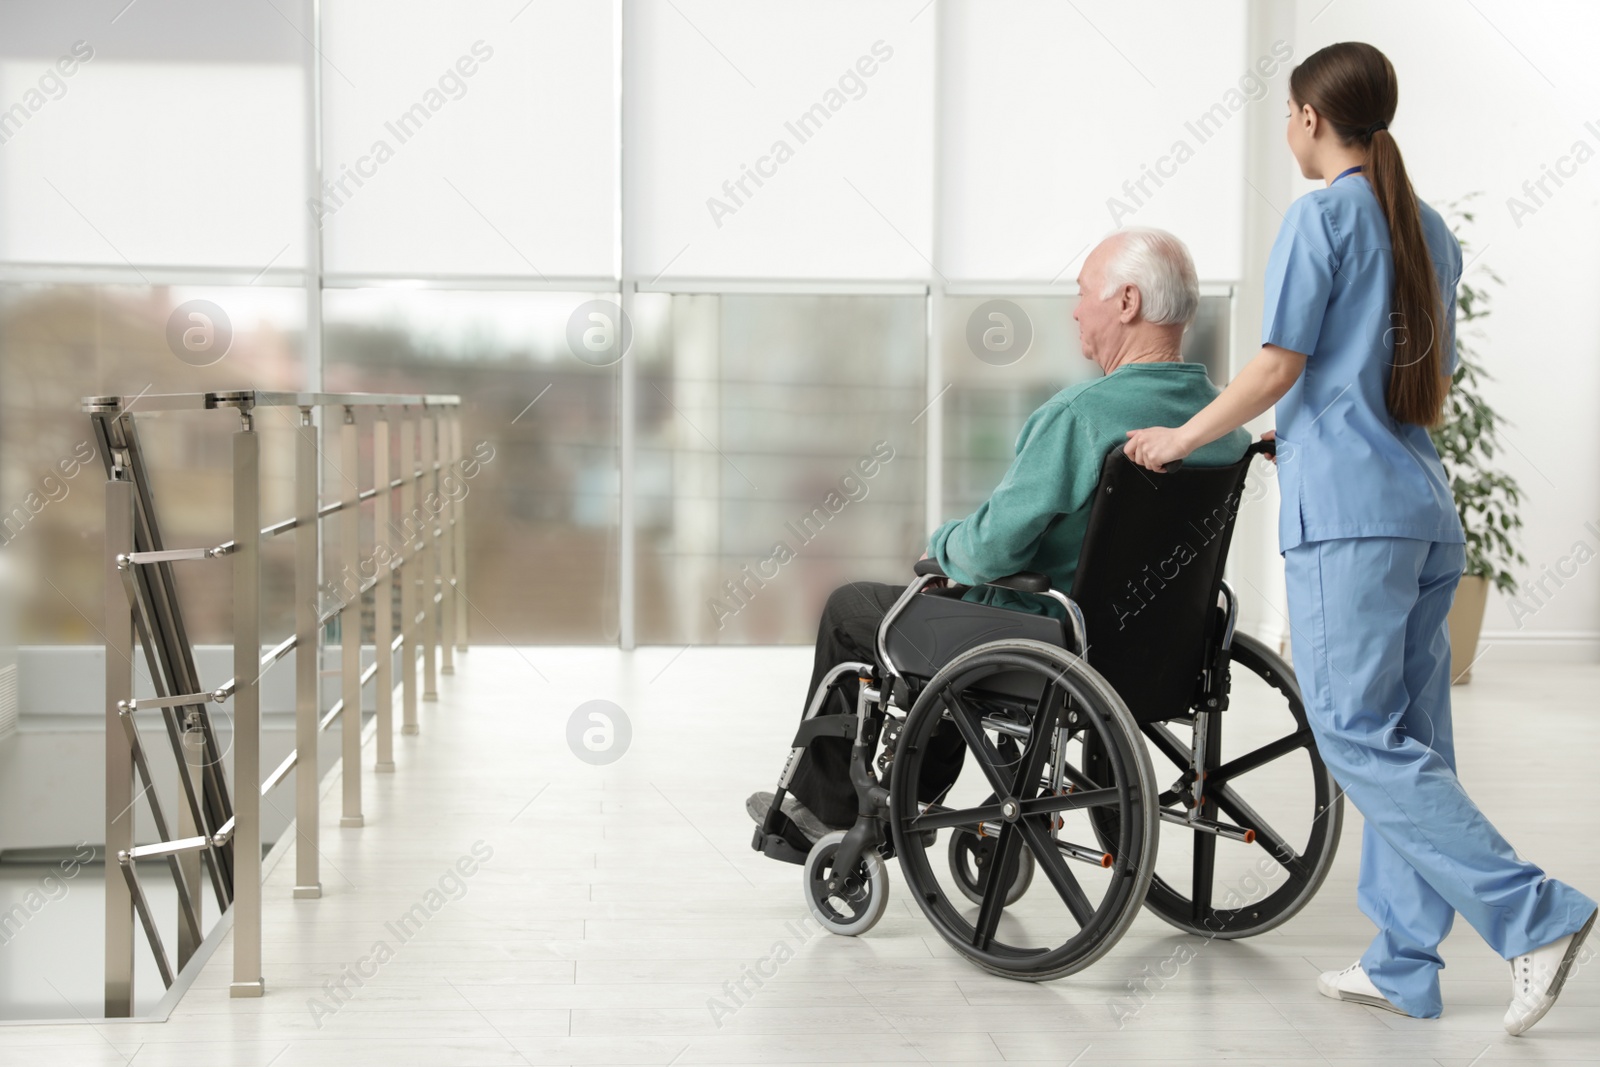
[1352,984]
[1537,978]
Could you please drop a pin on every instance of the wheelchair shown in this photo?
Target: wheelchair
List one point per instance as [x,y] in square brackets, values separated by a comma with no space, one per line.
[1063,726]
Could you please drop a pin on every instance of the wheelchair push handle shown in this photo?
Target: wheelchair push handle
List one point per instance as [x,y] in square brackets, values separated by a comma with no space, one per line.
[1175,465]
[1267,446]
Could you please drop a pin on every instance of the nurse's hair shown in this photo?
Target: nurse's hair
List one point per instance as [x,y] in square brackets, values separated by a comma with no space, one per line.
[1158,265]
[1352,86]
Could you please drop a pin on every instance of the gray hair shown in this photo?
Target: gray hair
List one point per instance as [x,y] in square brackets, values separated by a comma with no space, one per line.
[1158,265]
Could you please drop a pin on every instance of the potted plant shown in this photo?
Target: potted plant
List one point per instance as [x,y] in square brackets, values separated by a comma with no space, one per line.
[1468,441]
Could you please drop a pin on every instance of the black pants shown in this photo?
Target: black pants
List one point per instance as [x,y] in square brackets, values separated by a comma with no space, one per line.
[849,631]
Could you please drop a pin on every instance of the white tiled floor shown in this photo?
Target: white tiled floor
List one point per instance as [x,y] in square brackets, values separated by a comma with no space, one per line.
[619,899]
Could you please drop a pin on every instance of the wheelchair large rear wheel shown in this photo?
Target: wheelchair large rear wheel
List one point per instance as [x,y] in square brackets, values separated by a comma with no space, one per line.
[1264,776]
[1030,798]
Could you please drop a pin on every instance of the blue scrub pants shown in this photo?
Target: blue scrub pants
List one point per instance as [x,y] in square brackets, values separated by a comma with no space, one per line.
[1372,655]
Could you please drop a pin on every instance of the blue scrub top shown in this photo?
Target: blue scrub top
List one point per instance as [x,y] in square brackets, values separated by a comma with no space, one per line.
[1347,468]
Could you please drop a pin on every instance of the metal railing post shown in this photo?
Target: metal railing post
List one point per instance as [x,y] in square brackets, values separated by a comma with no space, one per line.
[247,981]
[350,617]
[450,486]
[429,558]
[119,753]
[194,761]
[410,565]
[464,607]
[383,592]
[307,661]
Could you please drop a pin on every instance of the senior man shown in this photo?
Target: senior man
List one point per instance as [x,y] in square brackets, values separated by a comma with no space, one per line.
[1137,294]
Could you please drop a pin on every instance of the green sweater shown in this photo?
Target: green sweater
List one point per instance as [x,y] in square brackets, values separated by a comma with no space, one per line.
[1059,454]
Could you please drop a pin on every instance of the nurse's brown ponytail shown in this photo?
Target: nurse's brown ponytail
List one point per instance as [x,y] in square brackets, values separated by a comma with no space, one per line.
[1352,86]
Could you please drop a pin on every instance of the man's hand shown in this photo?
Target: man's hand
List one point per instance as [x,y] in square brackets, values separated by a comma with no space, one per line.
[1156,446]
[1271,435]
[935,583]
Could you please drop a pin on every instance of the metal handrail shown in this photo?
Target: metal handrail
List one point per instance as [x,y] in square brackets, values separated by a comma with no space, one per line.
[141,599]
[246,399]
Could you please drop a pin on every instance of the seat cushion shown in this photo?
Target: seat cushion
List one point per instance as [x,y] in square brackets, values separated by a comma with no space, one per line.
[935,629]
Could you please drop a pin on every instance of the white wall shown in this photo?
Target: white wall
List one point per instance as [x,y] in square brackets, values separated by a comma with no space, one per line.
[1490,94]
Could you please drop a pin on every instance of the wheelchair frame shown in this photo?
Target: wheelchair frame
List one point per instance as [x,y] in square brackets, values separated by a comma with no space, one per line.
[875,706]
[848,864]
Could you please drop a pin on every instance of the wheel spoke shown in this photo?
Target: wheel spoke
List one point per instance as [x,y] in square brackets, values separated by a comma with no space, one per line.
[1168,743]
[1077,777]
[1032,764]
[1089,798]
[936,818]
[1265,754]
[1055,868]
[994,892]
[1242,813]
[971,729]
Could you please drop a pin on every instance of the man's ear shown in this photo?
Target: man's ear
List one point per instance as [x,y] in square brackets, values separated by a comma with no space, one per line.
[1129,300]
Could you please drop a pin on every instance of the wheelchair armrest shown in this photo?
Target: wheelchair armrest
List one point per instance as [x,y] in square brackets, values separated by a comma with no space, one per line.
[1022,581]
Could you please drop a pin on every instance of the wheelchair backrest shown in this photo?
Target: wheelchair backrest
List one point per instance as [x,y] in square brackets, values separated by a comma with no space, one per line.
[1149,575]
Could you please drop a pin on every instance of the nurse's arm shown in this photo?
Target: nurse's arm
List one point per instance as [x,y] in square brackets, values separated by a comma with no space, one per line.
[1261,384]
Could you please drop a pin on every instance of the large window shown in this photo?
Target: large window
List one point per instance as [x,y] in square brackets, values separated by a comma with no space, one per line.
[60,343]
[789,140]
[413,196]
[780,454]
[468,139]
[541,535]
[1063,122]
[171,135]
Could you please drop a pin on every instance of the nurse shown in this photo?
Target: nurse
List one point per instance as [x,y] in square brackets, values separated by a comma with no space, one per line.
[1358,344]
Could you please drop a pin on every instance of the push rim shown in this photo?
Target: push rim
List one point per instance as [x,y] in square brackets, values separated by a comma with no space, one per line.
[1075,696]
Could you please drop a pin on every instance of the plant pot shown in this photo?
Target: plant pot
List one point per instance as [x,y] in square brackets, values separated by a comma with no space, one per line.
[1465,623]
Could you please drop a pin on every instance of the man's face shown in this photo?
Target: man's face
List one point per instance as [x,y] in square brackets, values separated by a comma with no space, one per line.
[1099,320]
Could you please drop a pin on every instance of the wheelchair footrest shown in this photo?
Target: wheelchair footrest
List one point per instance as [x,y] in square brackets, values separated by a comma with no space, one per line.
[776,846]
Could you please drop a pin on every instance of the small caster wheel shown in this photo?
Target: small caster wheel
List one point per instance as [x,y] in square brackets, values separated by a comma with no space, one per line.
[970,859]
[854,902]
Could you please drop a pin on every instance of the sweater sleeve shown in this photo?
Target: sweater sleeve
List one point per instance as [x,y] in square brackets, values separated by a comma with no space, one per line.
[1055,471]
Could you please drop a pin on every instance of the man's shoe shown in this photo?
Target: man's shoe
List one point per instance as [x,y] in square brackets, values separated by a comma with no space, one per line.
[1352,984]
[760,803]
[1537,978]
